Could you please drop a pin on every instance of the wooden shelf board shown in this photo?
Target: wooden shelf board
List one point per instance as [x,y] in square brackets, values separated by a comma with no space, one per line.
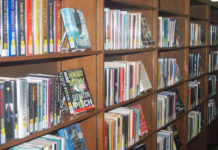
[141,96]
[199,46]
[171,13]
[197,136]
[48,56]
[193,18]
[171,122]
[142,139]
[128,51]
[198,77]
[172,48]
[67,119]
[133,3]
[171,86]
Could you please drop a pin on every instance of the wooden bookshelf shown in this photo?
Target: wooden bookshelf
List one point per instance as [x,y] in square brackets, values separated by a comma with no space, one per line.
[92,61]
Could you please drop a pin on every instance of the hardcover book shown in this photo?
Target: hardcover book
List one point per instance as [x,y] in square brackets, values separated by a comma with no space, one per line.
[76,90]
[73,137]
[76,30]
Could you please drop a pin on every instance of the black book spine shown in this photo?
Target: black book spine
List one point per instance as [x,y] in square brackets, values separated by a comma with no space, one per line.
[50,29]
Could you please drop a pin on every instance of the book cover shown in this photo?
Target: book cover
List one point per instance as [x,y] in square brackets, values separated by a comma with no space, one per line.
[11,28]
[20,27]
[73,137]
[76,90]
[75,26]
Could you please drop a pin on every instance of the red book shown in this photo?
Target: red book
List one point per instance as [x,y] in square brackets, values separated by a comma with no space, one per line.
[143,127]
[121,84]
[28,24]
[57,25]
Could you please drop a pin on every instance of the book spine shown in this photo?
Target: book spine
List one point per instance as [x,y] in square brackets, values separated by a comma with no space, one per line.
[2,129]
[1,27]
[20,28]
[5,29]
[11,28]
[36,19]
[57,25]
[45,26]
[28,26]
[50,26]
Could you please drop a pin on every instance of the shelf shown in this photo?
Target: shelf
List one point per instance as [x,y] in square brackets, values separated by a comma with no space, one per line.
[171,122]
[171,86]
[130,4]
[193,18]
[196,137]
[48,56]
[142,139]
[122,52]
[201,103]
[198,77]
[141,96]
[165,12]
[172,48]
[200,46]
[66,119]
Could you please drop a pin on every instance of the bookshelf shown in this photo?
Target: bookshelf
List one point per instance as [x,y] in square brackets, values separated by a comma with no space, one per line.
[92,61]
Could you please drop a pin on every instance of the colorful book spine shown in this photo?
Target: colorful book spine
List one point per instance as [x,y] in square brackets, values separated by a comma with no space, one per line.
[11,28]
[50,26]
[57,25]
[36,19]
[20,27]
[28,25]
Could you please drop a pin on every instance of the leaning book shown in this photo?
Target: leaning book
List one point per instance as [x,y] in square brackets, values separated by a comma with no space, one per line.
[73,137]
[76,30]
[76,90]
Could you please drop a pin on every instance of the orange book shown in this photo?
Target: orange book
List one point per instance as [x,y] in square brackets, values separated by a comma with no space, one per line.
[57,25]
[28,24]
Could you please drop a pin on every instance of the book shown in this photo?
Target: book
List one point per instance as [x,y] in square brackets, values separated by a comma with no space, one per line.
[20,27]
[139,147]
[28,27]
[57,25]
[76,90]
[73,137]
[50,23]
[76,30]
[177,141]
[143,127]
[11,28]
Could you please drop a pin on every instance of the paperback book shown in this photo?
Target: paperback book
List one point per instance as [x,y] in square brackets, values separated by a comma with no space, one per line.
[76,90]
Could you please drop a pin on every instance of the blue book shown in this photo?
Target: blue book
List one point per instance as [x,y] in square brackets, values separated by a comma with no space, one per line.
[11,28]
[76,30]
[73,137]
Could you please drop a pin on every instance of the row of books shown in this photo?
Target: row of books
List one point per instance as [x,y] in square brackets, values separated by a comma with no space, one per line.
[213,34]
[125,30]
[68,138]
[28,105]
[195,96]
[213,61]
[212,110]
[195,65]
[169,105]
[124,80]
[168,139]
[168,72]
[29,27]
[212,83]
[168,32]
[197,35]
[123,127]
[194,124]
